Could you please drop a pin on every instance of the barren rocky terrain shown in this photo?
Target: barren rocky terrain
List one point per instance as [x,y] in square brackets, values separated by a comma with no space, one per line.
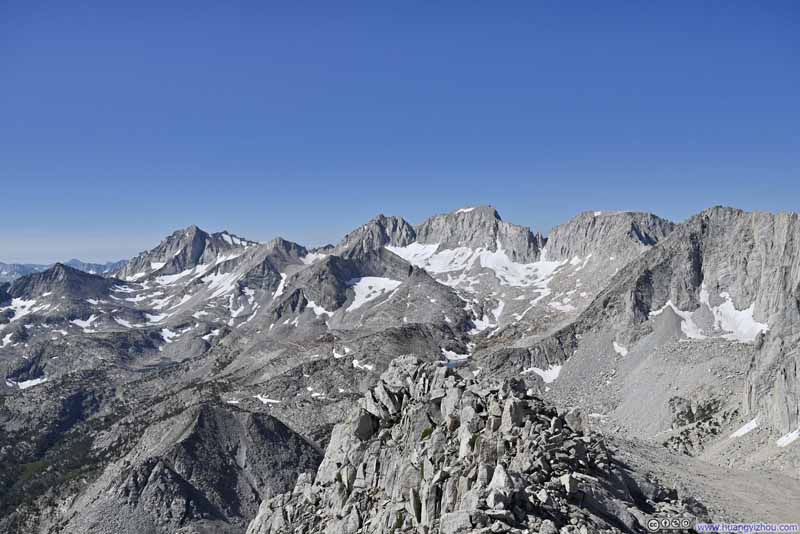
[464,374]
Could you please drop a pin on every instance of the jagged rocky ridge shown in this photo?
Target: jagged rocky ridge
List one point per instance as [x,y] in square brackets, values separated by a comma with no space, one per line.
[433,449]
[183,250]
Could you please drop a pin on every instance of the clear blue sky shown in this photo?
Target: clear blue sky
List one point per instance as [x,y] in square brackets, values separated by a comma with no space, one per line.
[121,121]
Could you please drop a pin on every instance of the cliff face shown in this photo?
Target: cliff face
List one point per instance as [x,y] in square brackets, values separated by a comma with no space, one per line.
[745,269]
[724,275]
[480,227]
[619,234]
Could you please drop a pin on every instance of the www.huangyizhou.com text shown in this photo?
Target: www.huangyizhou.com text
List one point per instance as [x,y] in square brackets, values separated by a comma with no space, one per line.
[783,528]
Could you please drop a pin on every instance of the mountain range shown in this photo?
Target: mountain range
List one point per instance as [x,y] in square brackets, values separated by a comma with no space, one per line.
[11,271]
[464,374]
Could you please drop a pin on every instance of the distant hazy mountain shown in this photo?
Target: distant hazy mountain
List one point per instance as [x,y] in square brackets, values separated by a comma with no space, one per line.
[11,271]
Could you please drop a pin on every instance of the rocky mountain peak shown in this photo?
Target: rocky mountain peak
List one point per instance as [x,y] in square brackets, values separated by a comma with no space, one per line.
[191,229]
[477,212]
[184,249]
[287,247]
[60,280]
[480,227]
[618,234]
[378,232]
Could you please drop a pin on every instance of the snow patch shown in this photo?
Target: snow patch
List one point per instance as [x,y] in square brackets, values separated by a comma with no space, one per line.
[281,285]
[23,307]
[688,326]
[267,400]
[789,438]
[220,283]
[536,275]
[747,427]
[619,349]
[732,324]
[739,324]
[167,279]
[454,356]
[6,340]
[25,384]
[369,288]
[211,334]
[364,366]
[123,322]
[317,309]
[312,257]
[85,324]
[498,310]
[156,318]
[548,375]
[168,335]
[161,303]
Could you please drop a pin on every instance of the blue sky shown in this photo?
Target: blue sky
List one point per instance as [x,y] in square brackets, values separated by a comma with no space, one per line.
[121,121]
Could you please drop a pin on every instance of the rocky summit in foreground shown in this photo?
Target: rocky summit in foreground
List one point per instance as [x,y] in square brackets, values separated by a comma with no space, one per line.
[433,449]
[463,374]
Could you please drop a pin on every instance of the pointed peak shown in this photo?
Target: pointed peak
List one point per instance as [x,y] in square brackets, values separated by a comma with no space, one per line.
[59,267]
[379,231]
[192,229]
[285,245]
[189,232]
[62,280]
[61,270]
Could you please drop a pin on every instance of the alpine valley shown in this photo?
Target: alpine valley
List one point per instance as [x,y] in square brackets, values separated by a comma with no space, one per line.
[460,375]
